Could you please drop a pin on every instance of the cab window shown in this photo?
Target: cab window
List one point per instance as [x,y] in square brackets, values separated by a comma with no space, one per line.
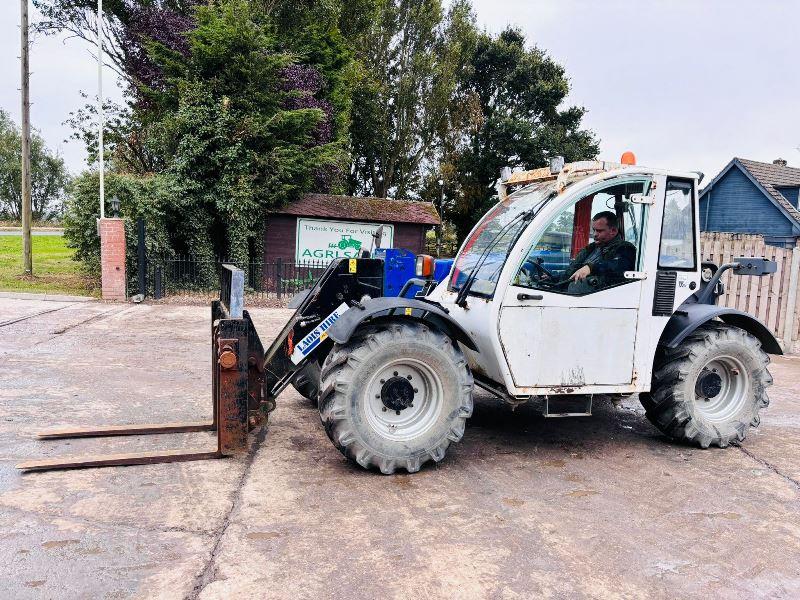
[484,252]
[590,245]
[677,230]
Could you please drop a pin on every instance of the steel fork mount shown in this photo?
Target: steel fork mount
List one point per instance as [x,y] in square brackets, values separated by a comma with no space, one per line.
[237,384]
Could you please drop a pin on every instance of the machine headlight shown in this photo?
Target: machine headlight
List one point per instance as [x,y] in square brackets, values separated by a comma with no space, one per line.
[707,274]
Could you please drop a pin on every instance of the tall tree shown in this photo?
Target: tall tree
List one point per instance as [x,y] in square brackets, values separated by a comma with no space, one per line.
[241,104]
[511,115]
[410,57]
[49,175]
[239,126]
[308,30]
[78,17]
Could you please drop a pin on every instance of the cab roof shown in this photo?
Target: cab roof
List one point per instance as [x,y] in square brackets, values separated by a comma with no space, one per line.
[574,171]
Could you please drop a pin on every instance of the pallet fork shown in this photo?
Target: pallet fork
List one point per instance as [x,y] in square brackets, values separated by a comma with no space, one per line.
[239,404]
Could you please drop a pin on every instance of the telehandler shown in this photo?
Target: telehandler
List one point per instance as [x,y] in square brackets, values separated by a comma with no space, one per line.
[396,374]
[393,376]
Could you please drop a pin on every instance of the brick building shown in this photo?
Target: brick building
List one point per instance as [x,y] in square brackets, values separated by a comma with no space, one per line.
[321,227]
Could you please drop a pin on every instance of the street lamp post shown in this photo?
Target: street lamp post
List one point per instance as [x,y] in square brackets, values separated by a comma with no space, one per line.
[441,220]
[100,123]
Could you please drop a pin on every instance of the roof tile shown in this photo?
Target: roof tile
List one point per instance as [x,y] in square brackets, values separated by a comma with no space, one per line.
[381,210]
[770,176]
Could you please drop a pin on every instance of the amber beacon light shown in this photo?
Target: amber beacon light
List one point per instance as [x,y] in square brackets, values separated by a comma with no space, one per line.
[628,158]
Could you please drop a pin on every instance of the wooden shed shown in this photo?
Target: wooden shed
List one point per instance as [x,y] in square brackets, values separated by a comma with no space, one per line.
[321,227]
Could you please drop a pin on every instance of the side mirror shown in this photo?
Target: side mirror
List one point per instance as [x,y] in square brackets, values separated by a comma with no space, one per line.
[748,265]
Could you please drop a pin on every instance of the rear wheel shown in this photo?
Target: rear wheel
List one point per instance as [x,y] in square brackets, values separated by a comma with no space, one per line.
[395,396]
[710,389]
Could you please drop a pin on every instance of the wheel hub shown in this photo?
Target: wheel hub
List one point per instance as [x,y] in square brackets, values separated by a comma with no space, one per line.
[397,394]
[708,385]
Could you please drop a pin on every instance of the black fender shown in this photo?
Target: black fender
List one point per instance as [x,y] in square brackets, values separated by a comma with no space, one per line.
[691,316]
[298,299]
[377,309]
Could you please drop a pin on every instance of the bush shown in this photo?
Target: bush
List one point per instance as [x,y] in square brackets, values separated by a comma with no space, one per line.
[139,196]
[449,241]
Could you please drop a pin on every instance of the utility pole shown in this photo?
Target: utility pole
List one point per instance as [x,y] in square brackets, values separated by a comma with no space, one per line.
[27,255]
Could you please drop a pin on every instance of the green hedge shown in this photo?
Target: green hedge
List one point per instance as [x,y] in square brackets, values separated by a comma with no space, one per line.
[139,196]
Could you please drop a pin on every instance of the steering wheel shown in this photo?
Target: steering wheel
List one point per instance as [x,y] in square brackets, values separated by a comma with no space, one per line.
[554,284]
[533,269]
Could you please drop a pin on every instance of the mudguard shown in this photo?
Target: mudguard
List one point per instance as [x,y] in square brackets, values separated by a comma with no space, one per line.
[398,308]
[298,299]
[690,316]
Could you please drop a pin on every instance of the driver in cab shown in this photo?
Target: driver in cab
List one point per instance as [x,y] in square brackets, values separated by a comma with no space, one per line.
[603,262]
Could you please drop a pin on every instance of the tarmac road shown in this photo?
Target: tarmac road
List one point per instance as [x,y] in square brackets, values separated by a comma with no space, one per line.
[523,507]
[18,231]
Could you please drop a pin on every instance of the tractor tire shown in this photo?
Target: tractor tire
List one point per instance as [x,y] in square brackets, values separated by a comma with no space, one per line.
[306,382]
[395,396]
[710,389]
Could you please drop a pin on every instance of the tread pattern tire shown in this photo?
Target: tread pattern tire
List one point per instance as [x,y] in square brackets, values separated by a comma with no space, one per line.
[671,403]
[307,380]
[343,390]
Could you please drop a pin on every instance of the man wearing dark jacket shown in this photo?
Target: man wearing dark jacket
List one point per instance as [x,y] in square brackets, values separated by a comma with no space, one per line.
[603,262]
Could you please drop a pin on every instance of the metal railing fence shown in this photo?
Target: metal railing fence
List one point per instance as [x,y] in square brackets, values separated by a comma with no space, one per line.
[189,276]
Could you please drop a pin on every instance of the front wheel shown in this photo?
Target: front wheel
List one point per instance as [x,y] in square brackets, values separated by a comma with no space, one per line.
[395,396]
[710,389]
[306,381]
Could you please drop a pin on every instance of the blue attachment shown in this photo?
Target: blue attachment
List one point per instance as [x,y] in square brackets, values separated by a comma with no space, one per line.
[399,267]
[441,268]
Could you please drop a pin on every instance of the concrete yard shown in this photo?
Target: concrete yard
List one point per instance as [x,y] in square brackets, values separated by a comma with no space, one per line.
[523,507]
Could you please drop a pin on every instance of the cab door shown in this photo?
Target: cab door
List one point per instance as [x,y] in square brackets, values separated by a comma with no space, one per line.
[570,337]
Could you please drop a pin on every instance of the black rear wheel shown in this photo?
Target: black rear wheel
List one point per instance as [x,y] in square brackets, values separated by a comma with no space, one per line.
[710,389]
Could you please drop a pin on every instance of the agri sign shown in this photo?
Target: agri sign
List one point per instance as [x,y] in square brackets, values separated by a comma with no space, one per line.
[318,335]
[326,240]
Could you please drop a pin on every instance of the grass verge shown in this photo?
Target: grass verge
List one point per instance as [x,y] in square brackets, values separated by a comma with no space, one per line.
[54,271]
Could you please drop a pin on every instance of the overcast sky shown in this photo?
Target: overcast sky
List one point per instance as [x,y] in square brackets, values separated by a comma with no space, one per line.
[685,84]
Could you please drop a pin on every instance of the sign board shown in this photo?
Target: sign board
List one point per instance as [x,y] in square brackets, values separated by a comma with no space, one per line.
[319,240]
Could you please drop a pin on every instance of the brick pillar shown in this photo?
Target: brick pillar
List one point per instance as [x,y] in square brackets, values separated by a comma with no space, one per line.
[112,258]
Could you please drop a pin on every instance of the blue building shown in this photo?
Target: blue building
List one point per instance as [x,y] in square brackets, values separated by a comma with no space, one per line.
[754,197]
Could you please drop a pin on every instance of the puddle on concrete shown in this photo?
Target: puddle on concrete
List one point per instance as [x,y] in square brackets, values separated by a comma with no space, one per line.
[300,442]
[582,493]
[263,535]
[730,516]
[403,481]
[59,544]
[516,502]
